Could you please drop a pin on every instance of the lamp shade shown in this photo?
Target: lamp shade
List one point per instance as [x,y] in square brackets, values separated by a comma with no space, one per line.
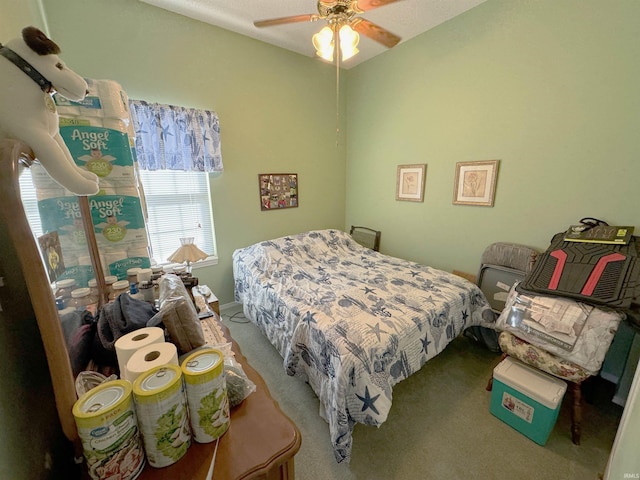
[323,42]
[349,39]
[187,252]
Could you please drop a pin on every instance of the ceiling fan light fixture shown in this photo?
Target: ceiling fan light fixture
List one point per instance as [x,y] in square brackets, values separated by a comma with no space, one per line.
[349,39]
[323,43]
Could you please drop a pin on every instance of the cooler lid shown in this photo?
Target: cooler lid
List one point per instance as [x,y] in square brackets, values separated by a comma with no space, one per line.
[538,385]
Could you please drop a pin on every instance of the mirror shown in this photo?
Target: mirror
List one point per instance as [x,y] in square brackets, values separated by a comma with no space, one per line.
[14,156]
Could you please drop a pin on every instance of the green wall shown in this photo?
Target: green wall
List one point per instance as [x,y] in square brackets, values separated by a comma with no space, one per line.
[16,14]
[548,87]
[277,111]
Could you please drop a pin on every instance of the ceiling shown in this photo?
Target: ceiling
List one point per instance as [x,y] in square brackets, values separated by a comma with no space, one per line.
[405,18]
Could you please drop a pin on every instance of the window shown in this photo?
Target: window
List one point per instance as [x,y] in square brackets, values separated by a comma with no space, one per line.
[176,148]
[178,204]
[30,202]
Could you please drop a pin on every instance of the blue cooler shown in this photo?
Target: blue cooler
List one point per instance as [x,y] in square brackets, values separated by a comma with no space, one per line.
[526,399]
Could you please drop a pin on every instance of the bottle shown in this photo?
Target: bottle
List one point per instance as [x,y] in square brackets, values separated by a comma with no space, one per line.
[134,293]
[132,275]
[144,275]
[94,294]
[156,272]
[80,298]
[119,287]
[62,308]
[179,270]
[64,289]
[156,291]
[109,280]
[146,289]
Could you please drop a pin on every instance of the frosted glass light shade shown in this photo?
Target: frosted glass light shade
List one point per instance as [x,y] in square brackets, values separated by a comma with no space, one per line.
[323,43]
[349,39]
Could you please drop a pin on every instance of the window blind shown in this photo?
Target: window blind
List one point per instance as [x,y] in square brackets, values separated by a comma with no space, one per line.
[30,202]
[179,205]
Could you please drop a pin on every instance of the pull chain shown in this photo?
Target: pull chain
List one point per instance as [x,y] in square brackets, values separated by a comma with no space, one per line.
[337,49]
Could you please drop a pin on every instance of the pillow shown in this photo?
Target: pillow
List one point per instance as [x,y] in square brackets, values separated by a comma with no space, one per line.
[569,329]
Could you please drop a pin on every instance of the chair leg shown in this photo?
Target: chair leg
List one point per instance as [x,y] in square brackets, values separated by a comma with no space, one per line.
[576,413]
[489,386]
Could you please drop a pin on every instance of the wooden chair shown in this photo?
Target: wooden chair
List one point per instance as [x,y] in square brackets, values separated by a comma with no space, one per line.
[366,237]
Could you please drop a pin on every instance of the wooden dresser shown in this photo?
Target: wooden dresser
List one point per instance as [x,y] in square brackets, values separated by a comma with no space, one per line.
[260,444]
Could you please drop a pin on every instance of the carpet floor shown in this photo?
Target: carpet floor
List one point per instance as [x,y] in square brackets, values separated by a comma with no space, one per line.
[439,426]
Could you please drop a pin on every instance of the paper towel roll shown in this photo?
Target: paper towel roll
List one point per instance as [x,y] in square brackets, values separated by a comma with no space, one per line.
[130,343]
[151,356]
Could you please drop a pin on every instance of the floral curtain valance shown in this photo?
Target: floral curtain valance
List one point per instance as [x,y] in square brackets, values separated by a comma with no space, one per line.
[176,138]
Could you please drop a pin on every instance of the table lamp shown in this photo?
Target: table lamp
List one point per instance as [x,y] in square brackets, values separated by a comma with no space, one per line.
[187,253]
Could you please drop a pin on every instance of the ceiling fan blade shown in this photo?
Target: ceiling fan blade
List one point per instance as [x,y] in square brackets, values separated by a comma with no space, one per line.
[375,32]
[309,17]
[365,5]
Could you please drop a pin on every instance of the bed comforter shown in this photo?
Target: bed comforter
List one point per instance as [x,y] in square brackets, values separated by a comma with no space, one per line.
[350,321]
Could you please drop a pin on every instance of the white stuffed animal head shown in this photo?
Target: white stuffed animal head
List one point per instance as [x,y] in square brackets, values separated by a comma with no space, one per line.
[42,53]
[30,72]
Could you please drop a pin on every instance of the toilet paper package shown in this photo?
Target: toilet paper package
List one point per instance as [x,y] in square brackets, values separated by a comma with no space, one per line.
[105,99]
[103,151]
[99,134]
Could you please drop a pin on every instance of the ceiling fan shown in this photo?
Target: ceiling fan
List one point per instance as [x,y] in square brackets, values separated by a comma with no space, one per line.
[339,14]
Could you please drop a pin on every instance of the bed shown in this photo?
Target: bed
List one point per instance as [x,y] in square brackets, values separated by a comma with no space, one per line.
[350,321]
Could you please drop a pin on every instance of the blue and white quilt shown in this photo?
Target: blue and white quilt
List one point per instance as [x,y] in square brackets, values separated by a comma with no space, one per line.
[351,321]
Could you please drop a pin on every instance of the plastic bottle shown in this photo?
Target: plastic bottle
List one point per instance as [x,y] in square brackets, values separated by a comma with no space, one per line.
[80,298]
[179,270]
[146,289]
[144,275]
[94,296]
[64,289]
[156,272]
[134,293]
[132,275]
[119,287]
[62,309]
[109,280]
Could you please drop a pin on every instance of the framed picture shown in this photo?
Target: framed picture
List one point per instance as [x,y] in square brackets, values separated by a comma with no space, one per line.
[475,183]
[278,190]
[410,182]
